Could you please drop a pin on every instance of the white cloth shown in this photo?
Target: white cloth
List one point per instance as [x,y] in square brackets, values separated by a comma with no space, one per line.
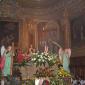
[82,82]
[2,50]
[74,82]
[37,81]
[2,82]
[41,81]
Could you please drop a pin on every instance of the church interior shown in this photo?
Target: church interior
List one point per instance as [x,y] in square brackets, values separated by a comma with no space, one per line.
[44,25]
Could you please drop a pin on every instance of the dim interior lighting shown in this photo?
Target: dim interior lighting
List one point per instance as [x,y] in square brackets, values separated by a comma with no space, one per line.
[37,0]
[0,0]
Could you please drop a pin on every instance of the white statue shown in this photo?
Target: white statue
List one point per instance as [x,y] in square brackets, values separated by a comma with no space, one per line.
[64,56]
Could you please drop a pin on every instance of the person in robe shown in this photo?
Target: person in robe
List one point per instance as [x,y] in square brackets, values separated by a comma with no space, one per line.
[64,55]
[2,62]
[7,70]
[20,56]
[26,56]
[46,82]
[2,57]
[31,49]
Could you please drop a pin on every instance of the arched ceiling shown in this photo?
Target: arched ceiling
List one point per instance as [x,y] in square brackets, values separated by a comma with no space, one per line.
[42,9]
[37,3]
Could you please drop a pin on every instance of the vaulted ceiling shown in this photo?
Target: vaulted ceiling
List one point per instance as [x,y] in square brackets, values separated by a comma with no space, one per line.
[37,3]
[42,9]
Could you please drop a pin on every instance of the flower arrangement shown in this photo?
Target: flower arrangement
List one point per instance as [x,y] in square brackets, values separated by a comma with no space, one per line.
[44,72]
[61,73]
[21,57]
[48,60]
[43,58]
[61,77]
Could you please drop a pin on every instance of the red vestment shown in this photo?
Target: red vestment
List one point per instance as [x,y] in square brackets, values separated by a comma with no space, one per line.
[20,57]
[2,62]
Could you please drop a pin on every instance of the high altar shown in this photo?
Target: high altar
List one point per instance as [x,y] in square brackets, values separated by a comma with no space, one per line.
[39,32]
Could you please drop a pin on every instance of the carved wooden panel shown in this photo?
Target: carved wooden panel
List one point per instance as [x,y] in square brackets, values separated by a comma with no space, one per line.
[77,66]
[78,32]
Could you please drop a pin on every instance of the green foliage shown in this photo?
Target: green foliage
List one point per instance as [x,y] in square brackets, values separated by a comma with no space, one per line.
[28,82]
[24,63]
[53,81]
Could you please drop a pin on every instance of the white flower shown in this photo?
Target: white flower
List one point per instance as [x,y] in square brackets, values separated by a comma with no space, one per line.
[49,59]
[41,56]
[42,53]
[38,56]
[39,60]
[43,60]
[33,59]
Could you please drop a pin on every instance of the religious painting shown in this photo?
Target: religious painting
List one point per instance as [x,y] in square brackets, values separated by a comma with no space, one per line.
[78,32]
[9,32]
